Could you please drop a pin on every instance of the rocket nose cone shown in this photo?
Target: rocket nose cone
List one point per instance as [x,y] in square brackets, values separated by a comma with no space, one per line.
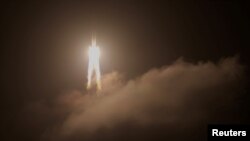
[93,41]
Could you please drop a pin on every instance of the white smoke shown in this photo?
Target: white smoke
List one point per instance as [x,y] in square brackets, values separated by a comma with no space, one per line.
[196,92]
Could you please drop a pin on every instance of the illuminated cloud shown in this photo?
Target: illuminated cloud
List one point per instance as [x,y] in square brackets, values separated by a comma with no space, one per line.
[182,94]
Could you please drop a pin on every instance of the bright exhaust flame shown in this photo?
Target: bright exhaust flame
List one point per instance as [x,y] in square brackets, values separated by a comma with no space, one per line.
[94,66]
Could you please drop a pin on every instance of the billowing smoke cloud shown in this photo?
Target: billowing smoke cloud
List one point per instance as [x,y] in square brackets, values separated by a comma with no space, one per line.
[178,98]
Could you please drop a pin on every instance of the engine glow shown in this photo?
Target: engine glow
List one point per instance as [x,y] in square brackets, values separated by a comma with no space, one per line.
[94,65]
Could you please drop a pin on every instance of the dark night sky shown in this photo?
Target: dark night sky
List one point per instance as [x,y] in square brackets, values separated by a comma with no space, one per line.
[44,48]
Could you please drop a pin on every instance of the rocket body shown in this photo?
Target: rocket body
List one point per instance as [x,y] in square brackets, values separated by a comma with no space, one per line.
[94,65]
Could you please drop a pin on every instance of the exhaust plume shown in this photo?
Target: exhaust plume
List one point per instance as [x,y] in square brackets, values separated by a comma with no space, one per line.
[94,65]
